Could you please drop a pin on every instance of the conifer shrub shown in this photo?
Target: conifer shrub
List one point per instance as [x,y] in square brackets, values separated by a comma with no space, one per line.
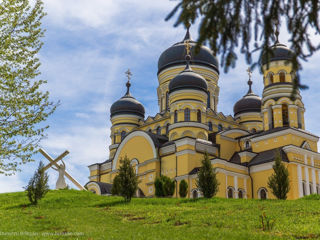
[183,188]
[125,183]
[278,182]
[164,186]
[207,181]
[38,185]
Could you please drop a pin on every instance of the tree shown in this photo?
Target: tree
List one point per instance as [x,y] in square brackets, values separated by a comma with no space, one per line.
[228,24]
[38,185]
[183,188]
[23,105]
[164,186]
[207,180]
[126,182]
[278,182]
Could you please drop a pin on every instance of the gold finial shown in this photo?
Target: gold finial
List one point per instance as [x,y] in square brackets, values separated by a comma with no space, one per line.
[188,46]
[128,74]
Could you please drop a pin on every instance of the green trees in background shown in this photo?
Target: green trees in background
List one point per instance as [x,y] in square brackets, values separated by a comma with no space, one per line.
[38,185]
[183,188]
[252,26]
[207,181]
[125,183]
[23,105]
[278,182]
[164,186]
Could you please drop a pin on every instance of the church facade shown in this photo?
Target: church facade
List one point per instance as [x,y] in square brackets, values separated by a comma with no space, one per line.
[242,147]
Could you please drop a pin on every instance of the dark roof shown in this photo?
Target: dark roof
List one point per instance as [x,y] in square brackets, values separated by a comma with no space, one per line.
[235,159]
[248,103]
[158,140]
[127,105]
[268,156]
[278,52]
[105,188]
[188,79]
[175,55]
[168,143]
[194,171]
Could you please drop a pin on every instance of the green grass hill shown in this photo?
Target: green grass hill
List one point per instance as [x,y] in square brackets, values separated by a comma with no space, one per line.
[70,214]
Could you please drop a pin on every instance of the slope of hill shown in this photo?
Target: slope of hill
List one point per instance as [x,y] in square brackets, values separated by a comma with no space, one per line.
[70,214]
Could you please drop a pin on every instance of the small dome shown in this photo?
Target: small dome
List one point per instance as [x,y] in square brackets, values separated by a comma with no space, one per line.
[280,52]
[127,105]
[188,79]
[248,103]
[175,55]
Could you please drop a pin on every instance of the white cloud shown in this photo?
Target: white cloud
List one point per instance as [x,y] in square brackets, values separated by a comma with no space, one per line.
[11,183]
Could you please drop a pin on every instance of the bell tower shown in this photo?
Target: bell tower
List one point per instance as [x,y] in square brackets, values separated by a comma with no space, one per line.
[278,109]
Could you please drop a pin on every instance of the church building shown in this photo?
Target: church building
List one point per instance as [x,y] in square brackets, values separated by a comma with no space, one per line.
[242,147]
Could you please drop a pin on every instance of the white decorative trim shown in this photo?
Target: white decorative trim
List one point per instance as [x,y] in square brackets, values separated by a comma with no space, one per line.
[286,131]
[167,150]
[127,116]
[229,164]
[261,167]
[228,138]
[246,153]
[105,166]
[187,151]
[230,131]
[230,173]
[300,180]
[235,186]
[95,186]
[129,137]
[188,124]
[93,167]
[314,184]
[204,147]
[295,149]
[113,146]
[185,141]
[259,192]
[306,145]
[148,161]
[257,114]
[93,178]
[306,173]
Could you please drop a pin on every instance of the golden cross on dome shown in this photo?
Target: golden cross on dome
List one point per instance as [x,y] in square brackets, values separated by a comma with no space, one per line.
[249,72]
[188,46]
[128,74]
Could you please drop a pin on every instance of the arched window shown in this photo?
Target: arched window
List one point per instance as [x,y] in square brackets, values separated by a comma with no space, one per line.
[304,188]
[199,116]
[208,100]
[123,134]
[210,126]
[167,128]
[150,130]
[253,130]
[159,130]
[285,115]
[282,77]
[230,192]
[270,77]
[220,128]
[195,194]
[240,193]
[247,144]
[262,193]
[318,189]
[187,114]
[299,118]
[270,115]
[114,138]
[161,104]
[167,100]
[311,188]
[175,116]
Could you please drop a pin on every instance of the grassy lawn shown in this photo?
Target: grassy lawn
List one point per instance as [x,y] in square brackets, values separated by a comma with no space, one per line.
[70,214]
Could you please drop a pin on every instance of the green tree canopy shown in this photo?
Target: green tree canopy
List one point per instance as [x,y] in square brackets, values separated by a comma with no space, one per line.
[23,105]
[251,25]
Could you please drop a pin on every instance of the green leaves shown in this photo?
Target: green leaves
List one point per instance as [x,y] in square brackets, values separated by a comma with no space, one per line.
[23,106]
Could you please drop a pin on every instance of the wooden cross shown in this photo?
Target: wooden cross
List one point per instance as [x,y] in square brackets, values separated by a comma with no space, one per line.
[54,162]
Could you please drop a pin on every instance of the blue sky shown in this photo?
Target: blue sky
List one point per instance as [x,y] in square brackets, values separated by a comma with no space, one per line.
[87,48]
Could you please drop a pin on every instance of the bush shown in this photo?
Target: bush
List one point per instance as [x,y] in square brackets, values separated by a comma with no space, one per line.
[207,180]
[183,188]
[38,185]
[126,182]
[164,186]
[279,180]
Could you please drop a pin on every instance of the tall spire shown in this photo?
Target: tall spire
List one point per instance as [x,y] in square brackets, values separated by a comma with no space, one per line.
[249,81]
[128,84]
[187,36]
[277,32]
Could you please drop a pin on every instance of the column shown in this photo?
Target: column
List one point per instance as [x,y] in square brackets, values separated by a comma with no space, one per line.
[277,116]
[293,116]
[300,180]
[314,184]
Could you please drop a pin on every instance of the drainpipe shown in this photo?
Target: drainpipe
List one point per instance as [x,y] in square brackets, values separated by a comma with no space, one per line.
[252,195]
[176,176]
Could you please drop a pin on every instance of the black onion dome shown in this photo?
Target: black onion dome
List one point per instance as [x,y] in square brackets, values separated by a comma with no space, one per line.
[188,79]
[175,55]
[127,105]
[248,103]
[280,52]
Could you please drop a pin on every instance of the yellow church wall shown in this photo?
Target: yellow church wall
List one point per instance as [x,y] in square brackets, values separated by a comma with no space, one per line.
[227,148]
[294,185]
[168,165]
[275,67]
[221,177]
[260,180]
